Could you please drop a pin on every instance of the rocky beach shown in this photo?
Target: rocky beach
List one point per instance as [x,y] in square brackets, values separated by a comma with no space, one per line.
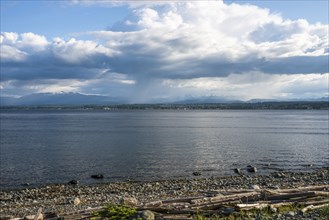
[61,199]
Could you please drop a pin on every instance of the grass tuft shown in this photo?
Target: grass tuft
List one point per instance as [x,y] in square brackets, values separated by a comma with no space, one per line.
[115,212]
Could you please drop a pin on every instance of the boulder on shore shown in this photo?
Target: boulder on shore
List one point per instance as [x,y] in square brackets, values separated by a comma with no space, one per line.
[74,182]
[97,176]
[252,169]
[196,173]
[238,171]
[129,201]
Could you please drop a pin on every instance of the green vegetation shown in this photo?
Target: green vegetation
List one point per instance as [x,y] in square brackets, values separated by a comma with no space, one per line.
[115,212]
[324,211]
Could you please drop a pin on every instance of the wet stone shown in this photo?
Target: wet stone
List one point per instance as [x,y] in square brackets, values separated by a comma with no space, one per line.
[238,171]
[74,182]
[251,169]
[97,176]
[196,173]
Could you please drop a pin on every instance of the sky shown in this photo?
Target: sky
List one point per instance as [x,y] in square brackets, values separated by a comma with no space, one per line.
[151,51]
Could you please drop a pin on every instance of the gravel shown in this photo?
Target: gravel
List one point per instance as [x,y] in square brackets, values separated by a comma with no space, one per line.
[64,198]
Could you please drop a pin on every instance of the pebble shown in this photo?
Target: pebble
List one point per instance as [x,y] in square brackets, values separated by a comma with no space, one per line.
[53,198]
[73,200]
[279,175]
[76,201]
[255,187]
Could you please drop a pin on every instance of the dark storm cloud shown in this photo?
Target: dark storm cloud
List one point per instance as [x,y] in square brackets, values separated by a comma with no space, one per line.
[151,64]
[45,65]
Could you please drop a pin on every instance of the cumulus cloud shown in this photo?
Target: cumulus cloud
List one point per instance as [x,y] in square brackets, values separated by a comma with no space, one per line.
[190,39]
[78,51]
[59,59]
[254,84]
[29,42]
[175,47]
[130,3]
[11,53]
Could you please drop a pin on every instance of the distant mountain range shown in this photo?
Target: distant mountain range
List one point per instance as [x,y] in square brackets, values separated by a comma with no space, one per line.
[208,100]
[81,99]
[59,99]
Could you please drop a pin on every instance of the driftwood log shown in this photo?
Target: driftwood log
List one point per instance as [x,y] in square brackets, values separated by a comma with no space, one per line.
[36,217]
[312,207]
[313,197]
[225,202]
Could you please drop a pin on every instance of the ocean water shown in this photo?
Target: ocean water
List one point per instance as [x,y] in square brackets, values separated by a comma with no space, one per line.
[47,146]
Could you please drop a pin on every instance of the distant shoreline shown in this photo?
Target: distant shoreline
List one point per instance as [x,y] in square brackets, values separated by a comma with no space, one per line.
[288,105]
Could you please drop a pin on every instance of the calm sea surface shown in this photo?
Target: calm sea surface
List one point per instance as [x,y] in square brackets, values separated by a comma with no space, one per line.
[42,147]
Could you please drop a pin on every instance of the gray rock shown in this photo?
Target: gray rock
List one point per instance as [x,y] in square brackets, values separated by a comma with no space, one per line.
[129,201]
[97,176]
[196,173]
[76,201]
[290,214]
[238,171]
[73,200]
[74,182]
[252,169]
[147,215]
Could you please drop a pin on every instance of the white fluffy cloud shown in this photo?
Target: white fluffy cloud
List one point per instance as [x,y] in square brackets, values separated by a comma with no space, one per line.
[177,48]
[77,51]
[25,41]
[256,85]
[11,53]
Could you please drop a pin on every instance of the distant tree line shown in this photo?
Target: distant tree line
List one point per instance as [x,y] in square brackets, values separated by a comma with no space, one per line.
[302,105]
